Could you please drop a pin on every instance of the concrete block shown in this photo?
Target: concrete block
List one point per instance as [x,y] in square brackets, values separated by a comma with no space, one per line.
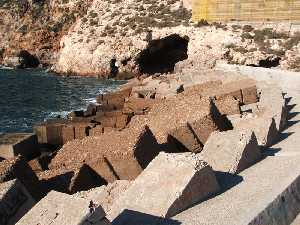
[272,104]
[15,202]
[197,117]
[108,121]
[244,91]
[127,152]
[96,131]
[228,105]
[50,132]
[62,209]
[113,113]
[19,169]
[107,195]
[231,151]
[68,133]
[81,130]
[138,106]
[185,139]
[264,129]
[35,165]
[14,144]
[200,88]
[71,180]
[186,180]
[122,121]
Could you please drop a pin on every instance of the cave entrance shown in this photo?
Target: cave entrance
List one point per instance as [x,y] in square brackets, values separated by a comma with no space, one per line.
[161,55]
[269,62]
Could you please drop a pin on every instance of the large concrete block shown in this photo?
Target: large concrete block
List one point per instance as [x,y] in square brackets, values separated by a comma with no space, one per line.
[14,144]
[72,180]
[138,106]
[96,131]
[15,202]
[231,151]
[50,132]
[202,87]
[68,133]
[107,195]
[228,105]
[244,91]
[171,183]
[62,209]
[127,152]
[187,119]
[264,129]
[272,105]
[18,169]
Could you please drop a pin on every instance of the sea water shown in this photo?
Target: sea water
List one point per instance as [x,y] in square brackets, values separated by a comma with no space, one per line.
[31,96]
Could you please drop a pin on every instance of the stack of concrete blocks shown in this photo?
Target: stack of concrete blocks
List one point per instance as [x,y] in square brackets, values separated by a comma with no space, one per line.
[62,209]
[15,202]
[115,155]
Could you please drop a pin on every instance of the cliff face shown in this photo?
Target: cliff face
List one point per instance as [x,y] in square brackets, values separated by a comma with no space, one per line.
[121,38]
[36,26]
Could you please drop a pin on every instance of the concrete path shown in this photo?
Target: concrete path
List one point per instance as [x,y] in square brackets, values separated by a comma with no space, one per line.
[268,192]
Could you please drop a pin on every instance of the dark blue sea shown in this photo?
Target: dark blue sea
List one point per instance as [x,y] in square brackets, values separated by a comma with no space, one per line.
[31,96]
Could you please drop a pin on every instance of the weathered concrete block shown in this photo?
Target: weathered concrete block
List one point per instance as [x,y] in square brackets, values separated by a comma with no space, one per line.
[231,151]
[138,106]
[200,88]
[62,209]
[228,105]
[70,180]
[122,121]
[82,130]
[35,165]
[50,132]
[15,202]
[272,104]
[107,195]
[14,144]
[185,139]
[96,131]
[264,129]
[18,169]
[127,152]
[244,91]
[68,133]
[193,116]
[187,180]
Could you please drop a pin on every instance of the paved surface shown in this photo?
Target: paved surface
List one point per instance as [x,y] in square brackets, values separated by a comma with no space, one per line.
[278,175]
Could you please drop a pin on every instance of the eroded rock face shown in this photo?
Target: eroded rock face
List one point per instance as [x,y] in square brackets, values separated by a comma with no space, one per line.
[37,27]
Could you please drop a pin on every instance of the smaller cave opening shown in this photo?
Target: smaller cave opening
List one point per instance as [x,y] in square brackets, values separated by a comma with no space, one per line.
[161,55]
[269,62]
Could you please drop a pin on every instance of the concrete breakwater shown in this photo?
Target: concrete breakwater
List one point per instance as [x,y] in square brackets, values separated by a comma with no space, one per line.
[204,132]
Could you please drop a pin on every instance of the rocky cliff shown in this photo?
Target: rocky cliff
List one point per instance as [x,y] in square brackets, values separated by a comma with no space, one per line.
[123,38]
[36,26]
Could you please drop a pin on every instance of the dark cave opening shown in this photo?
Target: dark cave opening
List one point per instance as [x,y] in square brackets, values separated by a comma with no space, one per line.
[268,62]
[161,55]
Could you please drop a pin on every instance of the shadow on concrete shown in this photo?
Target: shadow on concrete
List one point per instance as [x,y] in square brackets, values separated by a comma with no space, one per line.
[291,115]
[270,152]
[227,180]
[282,136]
[290,107]
[130,217]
